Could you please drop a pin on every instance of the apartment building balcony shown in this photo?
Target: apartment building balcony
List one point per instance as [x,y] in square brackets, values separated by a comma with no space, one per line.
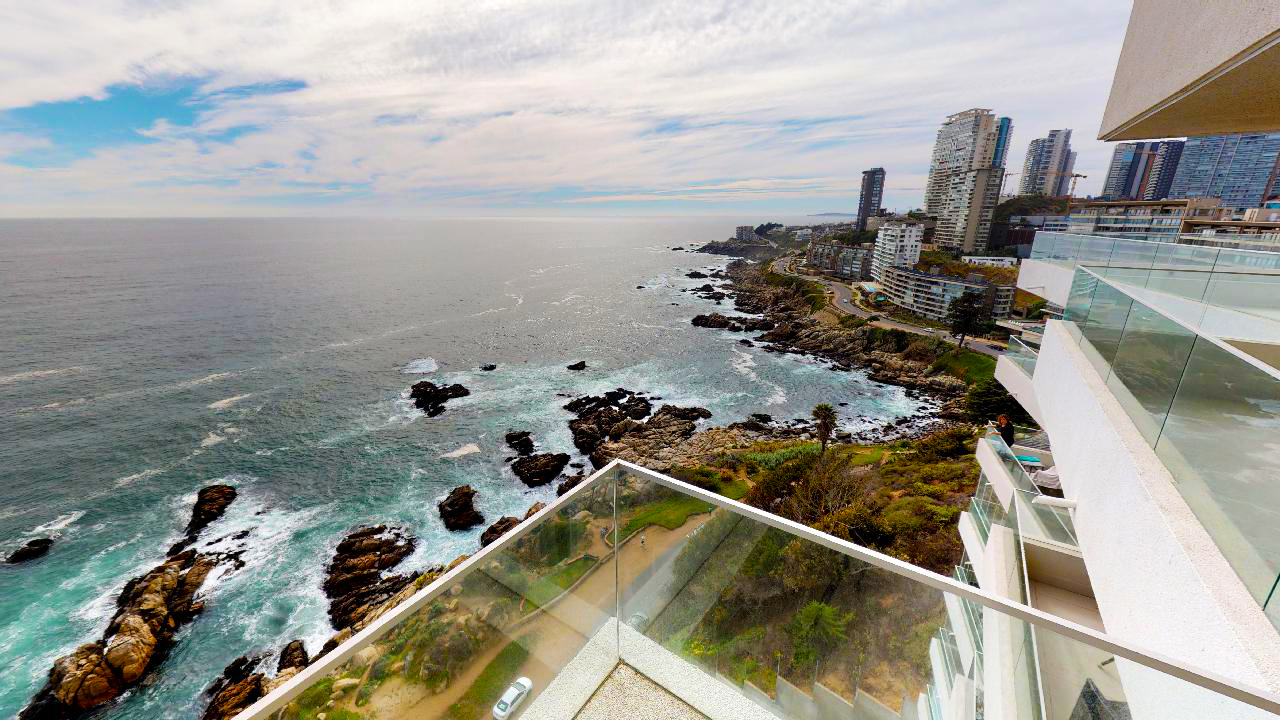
[636,595]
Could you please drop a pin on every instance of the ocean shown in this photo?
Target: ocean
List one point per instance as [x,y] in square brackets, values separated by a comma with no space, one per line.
[141,360]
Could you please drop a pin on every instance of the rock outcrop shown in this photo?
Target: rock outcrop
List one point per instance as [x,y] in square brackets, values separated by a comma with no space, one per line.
[599,415]
[735,324]
[236,689]
[733,248]
[354,581]
[520,440]
[655,438]
[569,483]
[580,365]
[490,367]
[211,503]
[430,398]
[503,525]
[540,469]
[38,547]
[458,510]
[149,612]
[294,655]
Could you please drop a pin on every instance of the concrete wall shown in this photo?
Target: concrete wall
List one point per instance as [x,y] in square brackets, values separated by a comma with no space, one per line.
[1159,579]
[1195,68]
[1051,281]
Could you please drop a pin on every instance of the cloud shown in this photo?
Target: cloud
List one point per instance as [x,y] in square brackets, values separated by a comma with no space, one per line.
[557,106]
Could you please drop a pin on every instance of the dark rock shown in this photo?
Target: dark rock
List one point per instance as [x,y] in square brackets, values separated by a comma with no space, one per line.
[149,611]
[598,415]
[32,550]
[354,580]
[697,275]
[211,504]
[521,441]
[580,365]
[746,342]
[294,655]
[237,689]
[639,287]
[458,510]
[504,525]
[540,469]
[714,320]
[569,483]
[669,426]
[762,417]
[678,247]
[576,465]
[489,368]
[430,398]
[534,509]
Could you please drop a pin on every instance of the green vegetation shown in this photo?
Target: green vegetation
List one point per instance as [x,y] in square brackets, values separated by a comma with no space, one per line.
[1029,205]
[814,631]
[489,686]
[824,422]
[853,322]
[969,314]
[557,540]
[987,399]
[966,365]
[670,513]
[548,587]
[853,237]
[813,292]
[769,456]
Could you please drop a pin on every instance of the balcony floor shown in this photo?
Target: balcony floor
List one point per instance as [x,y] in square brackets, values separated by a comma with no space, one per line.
[628,694]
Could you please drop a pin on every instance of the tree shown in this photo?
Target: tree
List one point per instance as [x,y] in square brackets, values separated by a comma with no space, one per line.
[824,418]
[987,399]
[969,314]
[814,630]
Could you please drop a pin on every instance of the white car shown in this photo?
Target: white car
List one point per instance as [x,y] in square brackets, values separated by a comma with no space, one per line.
[512,698]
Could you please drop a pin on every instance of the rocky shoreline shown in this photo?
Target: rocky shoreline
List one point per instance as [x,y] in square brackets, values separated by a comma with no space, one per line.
[149,612]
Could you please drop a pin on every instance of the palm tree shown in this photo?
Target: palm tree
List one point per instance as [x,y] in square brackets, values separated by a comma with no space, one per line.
[824,418]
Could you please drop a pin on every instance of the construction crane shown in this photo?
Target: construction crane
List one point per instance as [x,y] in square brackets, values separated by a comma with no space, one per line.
[1006,177]
[1072,192]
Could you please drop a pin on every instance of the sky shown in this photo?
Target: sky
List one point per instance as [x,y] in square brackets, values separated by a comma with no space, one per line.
[506,107]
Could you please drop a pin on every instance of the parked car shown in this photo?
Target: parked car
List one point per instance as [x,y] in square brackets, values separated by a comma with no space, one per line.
[511,699]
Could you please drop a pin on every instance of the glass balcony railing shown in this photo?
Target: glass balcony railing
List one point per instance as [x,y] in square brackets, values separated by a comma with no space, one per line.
[733,611]
[1201,384]
[1043,522]
[1242,280]
[1022,355]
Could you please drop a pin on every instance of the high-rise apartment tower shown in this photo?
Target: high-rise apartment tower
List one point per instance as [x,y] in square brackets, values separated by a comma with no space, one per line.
[871,195]
[1049,164]
[965,177]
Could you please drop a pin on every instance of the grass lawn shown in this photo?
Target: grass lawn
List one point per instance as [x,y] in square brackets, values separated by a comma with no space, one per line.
[489,686]
[670,513]
[966,365]
[861,454]
[545,589]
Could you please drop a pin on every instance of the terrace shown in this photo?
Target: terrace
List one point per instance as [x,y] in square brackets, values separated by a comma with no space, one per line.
[637,595]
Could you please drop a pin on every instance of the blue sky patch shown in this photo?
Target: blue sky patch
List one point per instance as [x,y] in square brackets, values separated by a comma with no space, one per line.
[76,128]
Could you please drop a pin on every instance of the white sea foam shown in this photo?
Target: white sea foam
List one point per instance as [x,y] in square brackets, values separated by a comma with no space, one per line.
[518,298]
[228,402]
[743,364]
[467,449]
[36,374]
[131,479]
[215,377]
[62,522]
[421,366]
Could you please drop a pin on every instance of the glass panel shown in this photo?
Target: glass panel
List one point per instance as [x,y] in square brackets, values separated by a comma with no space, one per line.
[1022,355]
[526,611]
[1102,331]
[1221,441]
[723,609]
[1148,366]
[1079,302]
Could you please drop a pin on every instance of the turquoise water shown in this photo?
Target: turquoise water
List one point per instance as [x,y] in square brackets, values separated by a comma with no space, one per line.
[142,360]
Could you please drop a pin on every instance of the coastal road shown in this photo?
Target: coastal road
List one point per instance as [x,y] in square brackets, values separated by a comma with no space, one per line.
[843,302]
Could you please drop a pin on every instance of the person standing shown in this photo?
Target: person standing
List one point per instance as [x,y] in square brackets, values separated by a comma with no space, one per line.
[1005,428]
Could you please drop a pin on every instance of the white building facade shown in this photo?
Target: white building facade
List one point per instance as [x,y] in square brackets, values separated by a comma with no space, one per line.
[897,245]
[965,175]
